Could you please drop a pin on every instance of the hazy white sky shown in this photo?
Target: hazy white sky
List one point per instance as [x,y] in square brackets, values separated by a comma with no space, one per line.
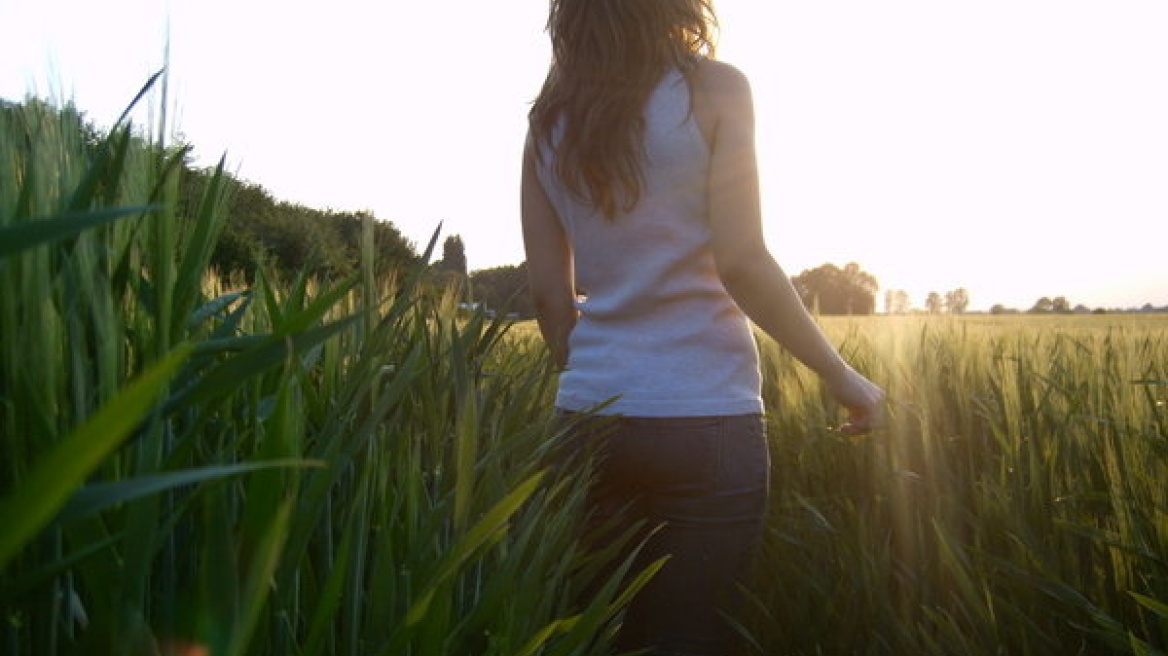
[1017,148]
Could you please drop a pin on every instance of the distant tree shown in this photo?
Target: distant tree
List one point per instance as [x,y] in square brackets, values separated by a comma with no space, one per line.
[503,289]
[1042,306]
[450,271]
[933,303]
[289,237]
[998,308]
[957,301]
[862,287]
[258,229]
[829,289]
[391,250]
[453,256]
[1060,305]
[896,302]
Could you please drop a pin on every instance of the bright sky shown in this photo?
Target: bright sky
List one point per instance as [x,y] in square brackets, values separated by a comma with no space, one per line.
[1017,148]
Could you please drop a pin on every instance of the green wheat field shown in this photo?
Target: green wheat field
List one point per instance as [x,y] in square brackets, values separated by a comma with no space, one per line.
[352,467]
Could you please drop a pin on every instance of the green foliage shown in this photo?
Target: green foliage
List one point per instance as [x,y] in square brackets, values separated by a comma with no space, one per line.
[296,467]
[503,289]
[1047,305]
[448,275]
[292,238]
[453,257]
[1013,504]
[830,290]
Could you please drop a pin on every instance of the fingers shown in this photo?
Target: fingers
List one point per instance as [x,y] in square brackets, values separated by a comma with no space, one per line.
[863,399]
[857,426]
[861,420]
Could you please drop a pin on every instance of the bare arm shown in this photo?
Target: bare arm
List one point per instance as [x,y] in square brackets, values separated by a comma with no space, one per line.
[750,274]
[550,272]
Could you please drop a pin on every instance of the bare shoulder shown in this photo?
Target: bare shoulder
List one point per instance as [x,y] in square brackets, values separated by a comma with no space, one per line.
[723,101]
[725,82]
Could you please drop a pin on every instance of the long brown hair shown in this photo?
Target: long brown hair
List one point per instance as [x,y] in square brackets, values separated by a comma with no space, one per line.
[607,56]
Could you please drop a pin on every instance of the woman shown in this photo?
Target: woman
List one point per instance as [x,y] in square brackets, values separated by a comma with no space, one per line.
[640,191]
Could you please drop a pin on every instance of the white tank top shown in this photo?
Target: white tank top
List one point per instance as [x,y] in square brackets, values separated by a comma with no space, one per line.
[657,330]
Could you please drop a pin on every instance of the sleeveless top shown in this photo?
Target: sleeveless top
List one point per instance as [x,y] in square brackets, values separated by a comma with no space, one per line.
[657,331]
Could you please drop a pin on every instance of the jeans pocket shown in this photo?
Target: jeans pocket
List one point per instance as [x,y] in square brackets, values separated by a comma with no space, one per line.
[744,469]
[674,456]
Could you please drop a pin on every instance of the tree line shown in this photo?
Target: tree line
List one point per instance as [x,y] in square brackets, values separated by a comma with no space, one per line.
[827,289]
[289,239]
[261,231]
[896,301]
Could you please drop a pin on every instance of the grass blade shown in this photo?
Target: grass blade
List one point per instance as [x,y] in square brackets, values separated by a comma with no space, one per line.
[38,497]
[31,234]
[99,496]
[491,523]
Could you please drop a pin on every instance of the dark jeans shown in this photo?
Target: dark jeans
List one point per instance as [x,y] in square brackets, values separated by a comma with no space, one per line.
[703,481]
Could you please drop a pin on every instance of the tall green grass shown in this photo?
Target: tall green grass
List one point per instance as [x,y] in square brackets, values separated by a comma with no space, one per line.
[292,468]
[1015,502]
[352,467]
